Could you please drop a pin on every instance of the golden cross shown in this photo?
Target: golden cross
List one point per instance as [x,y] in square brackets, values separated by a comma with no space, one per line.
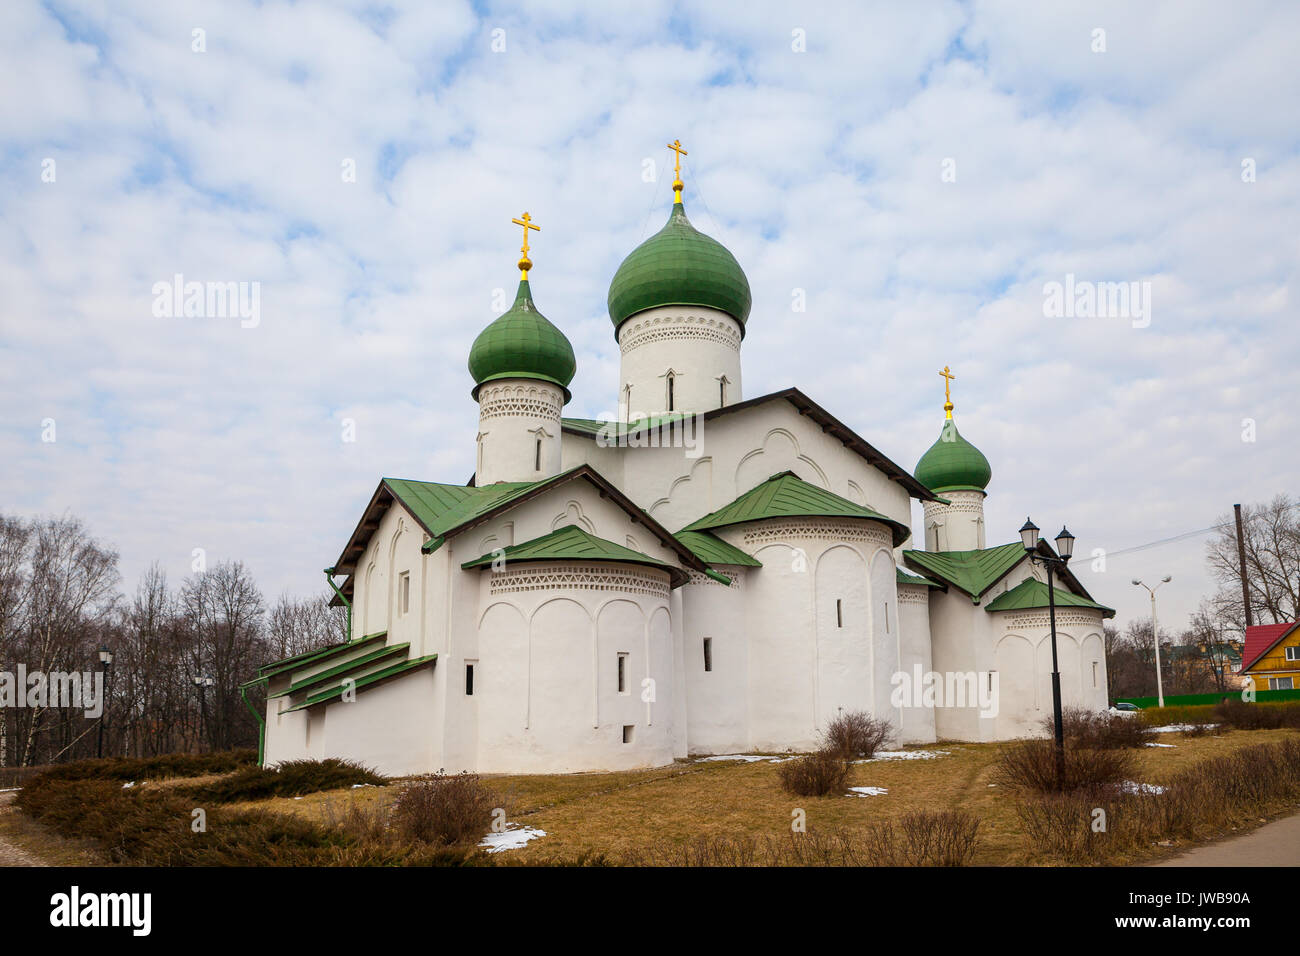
[676,147]
[527,222]
[947,392]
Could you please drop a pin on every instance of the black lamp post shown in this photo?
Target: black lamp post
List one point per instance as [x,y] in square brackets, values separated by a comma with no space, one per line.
[1064,549]
[203,683]
[106,666]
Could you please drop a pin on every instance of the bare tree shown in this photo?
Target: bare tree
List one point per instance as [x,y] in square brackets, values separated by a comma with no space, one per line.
[222,611]
[1271,534]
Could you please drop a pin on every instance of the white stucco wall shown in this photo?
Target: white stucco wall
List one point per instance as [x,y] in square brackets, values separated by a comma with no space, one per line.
[518,431]
[732,454]
[956,526]
[698,346]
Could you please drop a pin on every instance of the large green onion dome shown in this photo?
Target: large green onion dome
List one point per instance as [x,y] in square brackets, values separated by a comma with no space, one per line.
[679,265]
[522,343]
[953,463]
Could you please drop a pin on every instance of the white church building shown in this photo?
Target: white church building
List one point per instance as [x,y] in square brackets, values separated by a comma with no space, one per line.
[714,574]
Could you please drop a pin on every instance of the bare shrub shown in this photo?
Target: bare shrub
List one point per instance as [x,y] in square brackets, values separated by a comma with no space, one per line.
[1100,730]
[445,810]
[814,775]
[856,734]
[1031,765]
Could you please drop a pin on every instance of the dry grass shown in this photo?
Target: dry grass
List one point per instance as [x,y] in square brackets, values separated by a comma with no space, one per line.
[616,816]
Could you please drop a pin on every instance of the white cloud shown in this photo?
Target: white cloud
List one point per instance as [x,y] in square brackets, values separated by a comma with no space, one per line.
[820,170]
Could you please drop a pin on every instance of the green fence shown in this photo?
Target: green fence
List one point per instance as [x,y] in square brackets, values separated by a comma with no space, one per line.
[1191,700]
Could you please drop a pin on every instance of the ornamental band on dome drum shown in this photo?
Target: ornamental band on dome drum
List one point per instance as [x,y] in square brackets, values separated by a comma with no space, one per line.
[587,604]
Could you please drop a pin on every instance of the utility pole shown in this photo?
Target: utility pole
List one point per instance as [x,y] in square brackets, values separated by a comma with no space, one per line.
[1241,559]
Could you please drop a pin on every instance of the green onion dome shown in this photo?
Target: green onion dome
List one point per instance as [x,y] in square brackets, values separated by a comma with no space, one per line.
[953,464]
[522,343]
[679,265]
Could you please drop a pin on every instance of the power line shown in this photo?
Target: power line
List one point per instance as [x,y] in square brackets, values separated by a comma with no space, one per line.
[1171,540]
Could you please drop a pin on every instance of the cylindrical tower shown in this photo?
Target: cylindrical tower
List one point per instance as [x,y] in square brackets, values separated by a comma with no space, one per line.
[957,472]
[522,366]
[679,303]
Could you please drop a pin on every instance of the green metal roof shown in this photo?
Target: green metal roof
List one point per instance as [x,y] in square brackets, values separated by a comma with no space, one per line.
[1032,593]
[679,265]
[711,549]
[907,577]
[276,668]
[971,571]
[522,343]
[368,680]
[339,670]
[571,543]
[953,464]
[786,495]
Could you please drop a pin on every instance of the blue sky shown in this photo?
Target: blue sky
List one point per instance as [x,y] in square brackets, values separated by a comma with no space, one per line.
[820,169]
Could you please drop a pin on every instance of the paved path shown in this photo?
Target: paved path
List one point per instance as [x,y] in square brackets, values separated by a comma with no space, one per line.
[1274,844]
[11,855]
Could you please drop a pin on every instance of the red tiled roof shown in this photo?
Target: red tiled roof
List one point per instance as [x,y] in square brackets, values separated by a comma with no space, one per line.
[1260,640]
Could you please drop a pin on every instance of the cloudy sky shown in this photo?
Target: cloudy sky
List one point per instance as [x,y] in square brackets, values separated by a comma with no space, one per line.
[920,170]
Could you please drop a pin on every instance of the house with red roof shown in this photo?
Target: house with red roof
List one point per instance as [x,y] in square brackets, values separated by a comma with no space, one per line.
[1272,656]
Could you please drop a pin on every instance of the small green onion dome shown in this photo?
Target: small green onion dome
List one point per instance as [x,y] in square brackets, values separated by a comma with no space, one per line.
[953,464]
[522,343]
[679,265]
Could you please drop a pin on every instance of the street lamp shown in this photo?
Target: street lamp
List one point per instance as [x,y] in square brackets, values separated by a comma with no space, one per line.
[1064,550]
[1155,634]
[105,665]
[202,682]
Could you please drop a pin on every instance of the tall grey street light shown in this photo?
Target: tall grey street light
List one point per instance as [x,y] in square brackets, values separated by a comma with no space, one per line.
[203,682]
[1064,549]
[1155,635]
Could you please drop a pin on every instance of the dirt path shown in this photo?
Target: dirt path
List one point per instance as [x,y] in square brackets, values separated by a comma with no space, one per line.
[11,855]
[1274,844]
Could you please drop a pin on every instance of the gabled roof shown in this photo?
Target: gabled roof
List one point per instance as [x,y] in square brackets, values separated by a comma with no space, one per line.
[806,406]
[571,543]
[971,571]
[786,495]
[975,572]
[276,668]
[1032,593]
[445,510]
[1262,638]
[711,549]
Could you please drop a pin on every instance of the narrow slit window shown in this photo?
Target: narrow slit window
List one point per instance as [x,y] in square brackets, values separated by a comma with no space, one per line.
[722,392]
[839,612]
[708,653]
[1094,674]
[469,680]
[627,733]
[670,393]
[537,455]
[888,629]
[622,673]
[404,593]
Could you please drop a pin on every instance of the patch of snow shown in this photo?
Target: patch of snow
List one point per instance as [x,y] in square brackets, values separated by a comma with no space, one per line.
[510,838]
[358,786]
[1130,786]
[1162,745]
[128,785]
[747,758]
[867,791]
[11,790]
[1178,728]
[905,755]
